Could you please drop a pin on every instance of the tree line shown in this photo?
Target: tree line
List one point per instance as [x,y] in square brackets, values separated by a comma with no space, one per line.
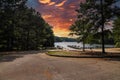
[92,18]
[64,39]
[23,28]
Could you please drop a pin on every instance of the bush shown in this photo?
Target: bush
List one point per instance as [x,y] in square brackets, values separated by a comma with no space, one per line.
[117,45]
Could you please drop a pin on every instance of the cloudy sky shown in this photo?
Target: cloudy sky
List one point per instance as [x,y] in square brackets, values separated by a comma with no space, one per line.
[58,13]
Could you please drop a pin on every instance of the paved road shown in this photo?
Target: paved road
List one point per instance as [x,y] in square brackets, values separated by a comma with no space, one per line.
[42,67]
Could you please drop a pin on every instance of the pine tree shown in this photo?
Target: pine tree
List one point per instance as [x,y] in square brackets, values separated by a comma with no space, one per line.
[22,28]
[96,13]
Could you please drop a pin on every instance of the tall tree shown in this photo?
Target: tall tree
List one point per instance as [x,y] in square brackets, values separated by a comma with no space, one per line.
[22,28]
[97,14]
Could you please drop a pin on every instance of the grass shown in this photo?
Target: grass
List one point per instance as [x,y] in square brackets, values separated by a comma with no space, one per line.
[58,52]
[62,52]
[82,54]
[73,54]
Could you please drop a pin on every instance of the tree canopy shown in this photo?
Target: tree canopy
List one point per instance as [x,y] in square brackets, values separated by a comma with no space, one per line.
[116,32]
[92,17]
[22,28]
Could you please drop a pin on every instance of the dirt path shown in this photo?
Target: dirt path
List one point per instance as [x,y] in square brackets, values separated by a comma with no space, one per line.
[42,67]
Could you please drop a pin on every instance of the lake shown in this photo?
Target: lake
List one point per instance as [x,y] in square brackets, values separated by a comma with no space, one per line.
[65,45]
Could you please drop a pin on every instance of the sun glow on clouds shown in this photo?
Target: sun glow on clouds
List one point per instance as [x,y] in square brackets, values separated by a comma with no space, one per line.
[61,4]
[59,13]
[47,16]
[44,1]
[49,2]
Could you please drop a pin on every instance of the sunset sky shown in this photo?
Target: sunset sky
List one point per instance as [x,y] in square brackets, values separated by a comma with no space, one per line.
[58,13]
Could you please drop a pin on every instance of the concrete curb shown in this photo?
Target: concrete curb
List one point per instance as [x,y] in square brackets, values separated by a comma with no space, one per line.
[82,56]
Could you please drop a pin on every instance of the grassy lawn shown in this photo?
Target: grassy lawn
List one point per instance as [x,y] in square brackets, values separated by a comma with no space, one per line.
[86,53]
[63,53]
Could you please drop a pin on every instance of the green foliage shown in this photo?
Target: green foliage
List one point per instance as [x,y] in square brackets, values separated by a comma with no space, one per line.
[64,39]
[58,39]
[89,20]
[117,45]
[22,28]
[108,37]
[116,31]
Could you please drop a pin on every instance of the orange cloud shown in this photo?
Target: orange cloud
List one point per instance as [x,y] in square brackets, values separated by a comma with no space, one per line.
[51,3]
[47,16]
[44,1]
[72,6]
[61,4]
[60,27]
[60,14]
[70,19]
[60,32]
